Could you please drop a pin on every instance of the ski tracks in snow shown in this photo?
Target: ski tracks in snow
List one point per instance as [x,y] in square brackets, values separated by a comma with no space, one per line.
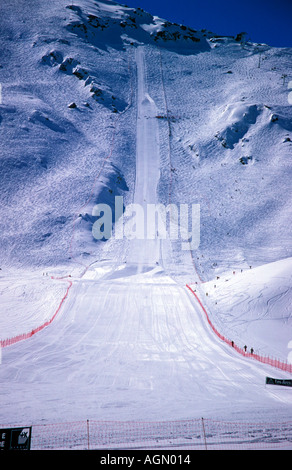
[134,339]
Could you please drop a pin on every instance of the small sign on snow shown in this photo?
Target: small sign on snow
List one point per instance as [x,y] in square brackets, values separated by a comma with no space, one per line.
[284,382]
[15,438]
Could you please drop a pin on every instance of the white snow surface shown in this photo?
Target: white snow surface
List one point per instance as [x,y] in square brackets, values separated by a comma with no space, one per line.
[131,342]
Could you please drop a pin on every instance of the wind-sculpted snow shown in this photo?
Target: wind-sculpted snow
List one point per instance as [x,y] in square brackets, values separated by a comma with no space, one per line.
[236,119]
[100,92]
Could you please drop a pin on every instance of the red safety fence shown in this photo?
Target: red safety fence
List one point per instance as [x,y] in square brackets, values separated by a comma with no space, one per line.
[20,337]
[264,359]
[195,434]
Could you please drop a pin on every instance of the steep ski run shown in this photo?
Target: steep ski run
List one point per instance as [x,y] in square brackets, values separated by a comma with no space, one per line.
[131,343]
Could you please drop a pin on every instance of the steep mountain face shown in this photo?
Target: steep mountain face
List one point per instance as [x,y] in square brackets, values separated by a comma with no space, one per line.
[68,77]
[119,26]
[100,101]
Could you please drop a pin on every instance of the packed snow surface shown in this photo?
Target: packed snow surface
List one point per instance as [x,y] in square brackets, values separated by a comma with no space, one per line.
[100,101]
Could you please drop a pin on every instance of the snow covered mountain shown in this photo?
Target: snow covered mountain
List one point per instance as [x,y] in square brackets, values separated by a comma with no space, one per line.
[100,100]
[230,132]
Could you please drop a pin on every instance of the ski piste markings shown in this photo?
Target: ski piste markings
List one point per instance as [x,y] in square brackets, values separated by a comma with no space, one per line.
[274,363]
[173,345]
[278,364]
[23,336]
[86,267]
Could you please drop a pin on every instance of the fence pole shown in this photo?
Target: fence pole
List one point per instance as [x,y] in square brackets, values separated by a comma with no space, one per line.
[204,433]
[88,434]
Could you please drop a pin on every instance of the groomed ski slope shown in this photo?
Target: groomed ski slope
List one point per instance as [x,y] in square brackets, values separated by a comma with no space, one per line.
[131,342]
